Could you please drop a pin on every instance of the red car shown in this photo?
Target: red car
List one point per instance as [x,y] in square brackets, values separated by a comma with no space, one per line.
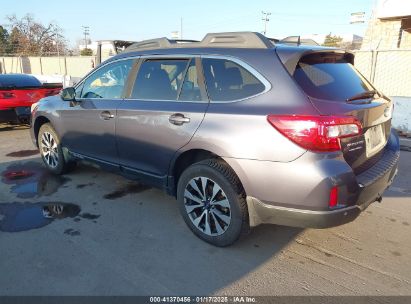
[18,92]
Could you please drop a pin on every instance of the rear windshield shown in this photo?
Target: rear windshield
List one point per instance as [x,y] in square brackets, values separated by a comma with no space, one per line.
[329,78]
[18,81]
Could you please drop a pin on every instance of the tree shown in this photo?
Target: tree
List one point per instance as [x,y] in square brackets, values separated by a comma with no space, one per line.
[29,37]
[86,52]
[4,41]
[332,40]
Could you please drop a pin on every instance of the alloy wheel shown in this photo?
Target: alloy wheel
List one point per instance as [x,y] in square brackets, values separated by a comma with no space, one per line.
[49,149]
[207,206]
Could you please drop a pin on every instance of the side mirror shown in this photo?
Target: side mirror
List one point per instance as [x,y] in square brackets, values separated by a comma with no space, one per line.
[68,94]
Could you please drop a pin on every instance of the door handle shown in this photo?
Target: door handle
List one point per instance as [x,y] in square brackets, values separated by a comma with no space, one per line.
[178,119]
[106,115]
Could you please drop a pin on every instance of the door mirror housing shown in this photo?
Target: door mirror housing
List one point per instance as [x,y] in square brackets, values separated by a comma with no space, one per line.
[68,94]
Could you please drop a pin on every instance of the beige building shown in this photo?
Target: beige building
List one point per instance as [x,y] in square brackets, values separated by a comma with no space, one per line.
[390,26]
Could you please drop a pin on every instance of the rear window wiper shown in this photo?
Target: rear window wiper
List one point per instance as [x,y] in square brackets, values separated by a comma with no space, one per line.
[363,95]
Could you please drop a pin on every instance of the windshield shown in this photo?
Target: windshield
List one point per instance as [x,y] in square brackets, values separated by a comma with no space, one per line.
[330,78]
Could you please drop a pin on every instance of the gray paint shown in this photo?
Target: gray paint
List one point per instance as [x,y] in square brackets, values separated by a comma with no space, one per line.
[271,168]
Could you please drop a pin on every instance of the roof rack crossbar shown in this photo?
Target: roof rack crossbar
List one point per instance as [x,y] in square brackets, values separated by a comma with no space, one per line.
[216,40]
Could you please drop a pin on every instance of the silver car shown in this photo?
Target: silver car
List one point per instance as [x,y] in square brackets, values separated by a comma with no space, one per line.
[240,130]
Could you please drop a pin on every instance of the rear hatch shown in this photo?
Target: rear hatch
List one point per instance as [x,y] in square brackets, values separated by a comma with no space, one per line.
[335,87]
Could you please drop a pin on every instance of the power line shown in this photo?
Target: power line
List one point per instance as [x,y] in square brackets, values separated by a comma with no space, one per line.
[265,19]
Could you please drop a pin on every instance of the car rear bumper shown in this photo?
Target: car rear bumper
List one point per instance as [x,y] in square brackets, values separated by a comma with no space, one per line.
[15,115]
[261,213]
[297,193]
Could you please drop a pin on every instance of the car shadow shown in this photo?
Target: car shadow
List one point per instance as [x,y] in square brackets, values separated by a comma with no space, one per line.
[141,232]
[10,127]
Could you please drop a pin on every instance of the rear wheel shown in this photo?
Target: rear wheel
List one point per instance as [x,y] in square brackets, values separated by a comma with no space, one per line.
[212,202]
[51,151]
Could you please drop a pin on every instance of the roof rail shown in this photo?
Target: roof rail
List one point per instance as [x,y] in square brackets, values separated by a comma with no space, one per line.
[298,41]
[212,40]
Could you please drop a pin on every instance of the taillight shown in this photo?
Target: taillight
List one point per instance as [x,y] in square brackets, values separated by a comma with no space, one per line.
[7,95]
[316,133]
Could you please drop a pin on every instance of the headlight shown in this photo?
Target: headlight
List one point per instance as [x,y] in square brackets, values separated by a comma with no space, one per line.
[34,107]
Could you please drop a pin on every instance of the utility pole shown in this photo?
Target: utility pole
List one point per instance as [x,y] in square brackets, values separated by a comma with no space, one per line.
[181,28]
[86,32]
[265,19]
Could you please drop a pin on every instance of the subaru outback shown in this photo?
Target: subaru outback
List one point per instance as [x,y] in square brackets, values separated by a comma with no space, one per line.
[240,130]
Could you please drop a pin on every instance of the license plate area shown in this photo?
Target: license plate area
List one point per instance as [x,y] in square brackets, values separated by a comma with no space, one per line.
[374,140]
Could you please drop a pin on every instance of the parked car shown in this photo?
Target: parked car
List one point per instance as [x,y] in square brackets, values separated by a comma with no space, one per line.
[239,130]
[18,92]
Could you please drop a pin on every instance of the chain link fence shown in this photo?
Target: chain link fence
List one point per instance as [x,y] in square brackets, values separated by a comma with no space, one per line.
[388,70]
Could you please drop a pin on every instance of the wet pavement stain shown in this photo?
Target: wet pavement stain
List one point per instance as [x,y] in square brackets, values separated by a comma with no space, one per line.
[81,186]
[89,216]
[72,232]
[17,217]
[23,153]
[125,190]
[31,179]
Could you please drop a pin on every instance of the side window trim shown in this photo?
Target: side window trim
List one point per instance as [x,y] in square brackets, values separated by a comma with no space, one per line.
[244,65]
[201,80]
[184,77]
[128,88]
[83,81]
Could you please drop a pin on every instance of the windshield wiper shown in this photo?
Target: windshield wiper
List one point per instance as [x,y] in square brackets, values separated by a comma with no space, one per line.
[363,95]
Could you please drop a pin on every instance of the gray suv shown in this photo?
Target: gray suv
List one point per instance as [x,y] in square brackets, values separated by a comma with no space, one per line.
[240,130]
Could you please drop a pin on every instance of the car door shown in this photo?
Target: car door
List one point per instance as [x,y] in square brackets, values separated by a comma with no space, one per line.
[166,106]
[90,120]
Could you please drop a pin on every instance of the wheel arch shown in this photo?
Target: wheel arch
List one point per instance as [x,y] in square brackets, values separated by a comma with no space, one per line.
[41,120]
[185,159]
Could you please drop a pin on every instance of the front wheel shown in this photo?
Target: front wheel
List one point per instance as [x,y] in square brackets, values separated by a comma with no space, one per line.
[51,151]
[212,202]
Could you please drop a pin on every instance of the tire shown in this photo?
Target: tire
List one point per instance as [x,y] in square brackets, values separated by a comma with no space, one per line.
[223,206]
[51,151]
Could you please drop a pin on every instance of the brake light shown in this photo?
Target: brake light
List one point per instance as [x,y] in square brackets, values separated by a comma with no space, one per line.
[316,133]
[333,202]
[7,95]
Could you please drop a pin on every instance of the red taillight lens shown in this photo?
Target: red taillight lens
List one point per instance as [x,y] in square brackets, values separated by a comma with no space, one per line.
[316,133]
[7,95]
[333,202]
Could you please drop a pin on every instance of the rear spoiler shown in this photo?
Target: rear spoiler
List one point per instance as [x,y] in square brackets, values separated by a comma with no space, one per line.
[55,85]
[290,57]
[43,86]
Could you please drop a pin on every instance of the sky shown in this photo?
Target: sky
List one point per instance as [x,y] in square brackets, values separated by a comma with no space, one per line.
[138,20]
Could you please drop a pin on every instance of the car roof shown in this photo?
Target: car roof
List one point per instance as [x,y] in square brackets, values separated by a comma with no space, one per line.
[215,43]
[18,81]
[244,45]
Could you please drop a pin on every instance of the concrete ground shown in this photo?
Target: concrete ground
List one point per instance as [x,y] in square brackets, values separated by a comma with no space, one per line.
[128,239]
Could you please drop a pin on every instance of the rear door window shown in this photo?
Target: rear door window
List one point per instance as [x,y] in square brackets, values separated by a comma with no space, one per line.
[160,79]
[329,78]
[228,81]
